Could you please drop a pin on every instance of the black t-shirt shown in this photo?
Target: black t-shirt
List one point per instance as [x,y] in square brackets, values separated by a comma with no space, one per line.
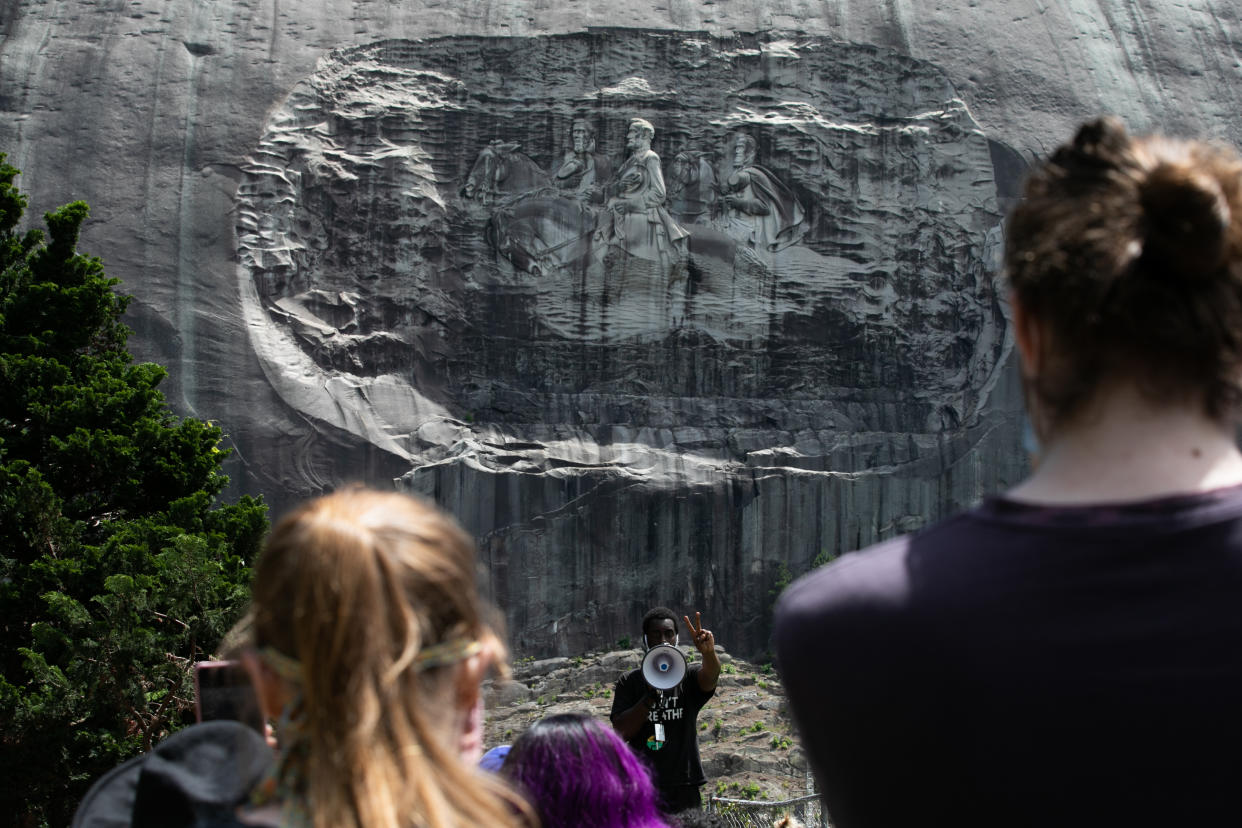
[1019,665]
[676,761]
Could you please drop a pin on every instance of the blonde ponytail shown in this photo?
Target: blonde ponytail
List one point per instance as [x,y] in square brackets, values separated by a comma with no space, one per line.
[373,597]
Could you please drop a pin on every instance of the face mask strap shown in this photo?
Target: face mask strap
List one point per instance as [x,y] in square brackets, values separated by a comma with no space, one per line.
[647,647]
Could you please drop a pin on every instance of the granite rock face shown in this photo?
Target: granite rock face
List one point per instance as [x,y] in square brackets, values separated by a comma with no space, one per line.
[590,399]
[368,240]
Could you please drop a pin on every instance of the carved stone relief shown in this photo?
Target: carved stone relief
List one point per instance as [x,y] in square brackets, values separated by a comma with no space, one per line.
[502,231]
[601,290]
[740,222]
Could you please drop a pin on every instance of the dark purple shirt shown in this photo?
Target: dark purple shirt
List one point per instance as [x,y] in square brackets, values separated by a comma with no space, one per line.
[1019,665]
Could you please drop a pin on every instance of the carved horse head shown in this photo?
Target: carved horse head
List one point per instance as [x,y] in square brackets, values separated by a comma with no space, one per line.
[502,168]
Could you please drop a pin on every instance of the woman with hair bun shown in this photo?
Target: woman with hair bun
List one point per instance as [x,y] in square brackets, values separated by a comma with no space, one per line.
[1068,653]
[578,773]
[369,644]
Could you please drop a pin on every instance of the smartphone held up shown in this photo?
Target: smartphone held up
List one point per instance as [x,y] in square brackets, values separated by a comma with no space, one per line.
[222,690]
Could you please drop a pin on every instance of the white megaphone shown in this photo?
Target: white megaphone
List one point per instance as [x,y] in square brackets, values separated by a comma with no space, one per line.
[664,667]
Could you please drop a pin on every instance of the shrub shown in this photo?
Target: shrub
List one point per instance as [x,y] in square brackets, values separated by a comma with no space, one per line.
[117,571]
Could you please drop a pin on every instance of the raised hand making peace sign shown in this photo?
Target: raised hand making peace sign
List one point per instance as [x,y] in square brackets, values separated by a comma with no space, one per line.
[703,639]
[705,642]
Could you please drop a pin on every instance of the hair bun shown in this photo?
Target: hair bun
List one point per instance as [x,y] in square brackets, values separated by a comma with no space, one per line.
[1187,219]
[1102,139]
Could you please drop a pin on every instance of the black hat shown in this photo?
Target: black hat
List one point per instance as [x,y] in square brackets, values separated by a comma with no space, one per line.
[195,778]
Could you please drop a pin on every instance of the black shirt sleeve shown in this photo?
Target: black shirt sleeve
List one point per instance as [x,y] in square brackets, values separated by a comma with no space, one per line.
[627,693]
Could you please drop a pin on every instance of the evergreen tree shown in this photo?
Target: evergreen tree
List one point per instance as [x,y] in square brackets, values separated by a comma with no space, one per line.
[116,573]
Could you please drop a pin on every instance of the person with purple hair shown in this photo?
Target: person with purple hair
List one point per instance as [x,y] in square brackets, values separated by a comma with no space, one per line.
[578,773]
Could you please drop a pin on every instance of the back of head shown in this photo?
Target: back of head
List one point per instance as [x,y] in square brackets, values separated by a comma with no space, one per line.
[578,773]
[1129,252]
[369,599]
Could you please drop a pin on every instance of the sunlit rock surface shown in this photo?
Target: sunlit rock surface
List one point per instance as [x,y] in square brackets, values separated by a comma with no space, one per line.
[280,183]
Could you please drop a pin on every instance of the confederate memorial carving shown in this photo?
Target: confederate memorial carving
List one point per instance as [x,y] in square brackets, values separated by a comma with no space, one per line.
[652,260]
[640,224]
[440,224]
[583,170]
[763,213]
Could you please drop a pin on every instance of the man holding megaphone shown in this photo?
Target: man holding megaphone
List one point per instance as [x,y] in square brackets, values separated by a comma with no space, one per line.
[655,707]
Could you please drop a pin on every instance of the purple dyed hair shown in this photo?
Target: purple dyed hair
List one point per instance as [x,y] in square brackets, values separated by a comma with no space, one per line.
[578,773]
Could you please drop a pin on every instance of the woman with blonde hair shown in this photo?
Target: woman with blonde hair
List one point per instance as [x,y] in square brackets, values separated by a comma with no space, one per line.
[1068,653]
[370,643]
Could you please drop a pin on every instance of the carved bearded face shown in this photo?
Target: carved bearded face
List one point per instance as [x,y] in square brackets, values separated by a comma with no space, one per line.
[581,137]
[637,137]
[679,172]
[743,152]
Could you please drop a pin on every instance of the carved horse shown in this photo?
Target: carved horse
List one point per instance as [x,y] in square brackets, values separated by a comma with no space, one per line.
[502,169]
[542,234]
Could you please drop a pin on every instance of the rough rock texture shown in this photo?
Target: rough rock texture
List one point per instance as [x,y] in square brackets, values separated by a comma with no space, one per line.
[746,734]
[608,455]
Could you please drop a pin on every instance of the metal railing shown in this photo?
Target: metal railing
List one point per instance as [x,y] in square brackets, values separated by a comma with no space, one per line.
[749,813]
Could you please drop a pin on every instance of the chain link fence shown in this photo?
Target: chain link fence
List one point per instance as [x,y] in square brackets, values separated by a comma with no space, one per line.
[748,813]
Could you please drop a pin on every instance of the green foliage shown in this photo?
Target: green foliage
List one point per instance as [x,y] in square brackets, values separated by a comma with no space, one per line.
[750,790]
[822,558]
[116,573]
[783,579]
[623,643]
